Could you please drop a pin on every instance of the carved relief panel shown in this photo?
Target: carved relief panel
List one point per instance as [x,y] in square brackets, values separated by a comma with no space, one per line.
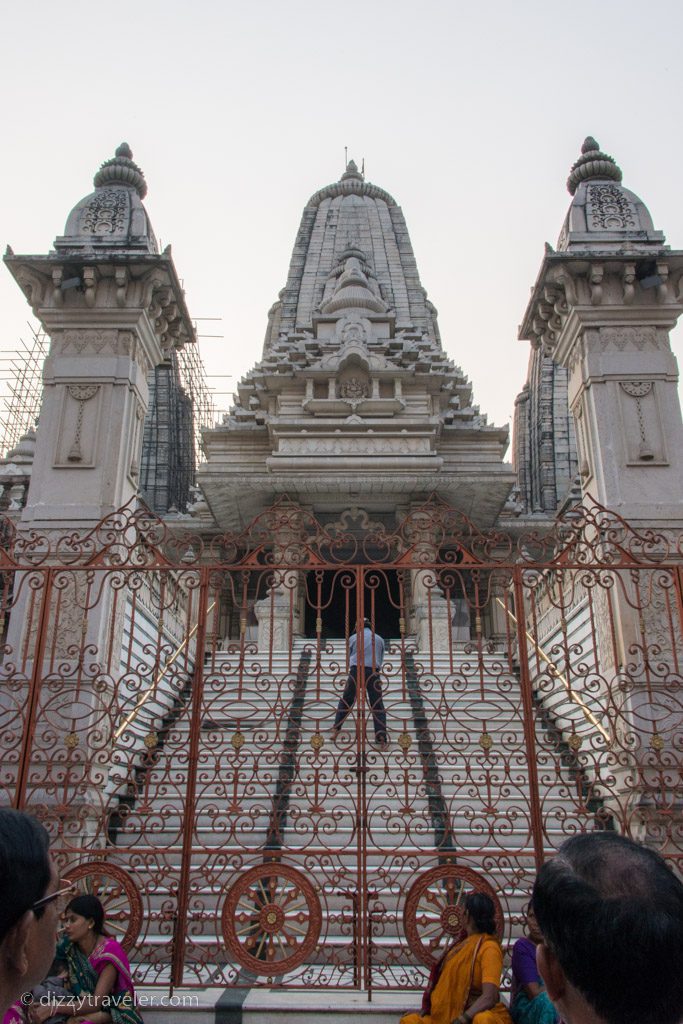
[353,383]
[641,423]
[582,441]
[137,419]
[608,209]
[78,427]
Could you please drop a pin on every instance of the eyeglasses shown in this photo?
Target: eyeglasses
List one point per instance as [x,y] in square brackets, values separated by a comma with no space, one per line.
[65,887]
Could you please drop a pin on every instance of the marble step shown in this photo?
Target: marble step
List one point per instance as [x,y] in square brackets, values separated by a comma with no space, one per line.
[275,1006]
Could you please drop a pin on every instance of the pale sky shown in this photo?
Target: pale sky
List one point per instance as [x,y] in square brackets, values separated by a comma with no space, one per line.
[469,114]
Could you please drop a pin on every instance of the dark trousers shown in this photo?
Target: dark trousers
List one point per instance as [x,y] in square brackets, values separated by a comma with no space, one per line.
[374,691]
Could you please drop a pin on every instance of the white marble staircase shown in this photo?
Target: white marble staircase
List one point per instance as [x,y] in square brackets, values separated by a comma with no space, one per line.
[271,783]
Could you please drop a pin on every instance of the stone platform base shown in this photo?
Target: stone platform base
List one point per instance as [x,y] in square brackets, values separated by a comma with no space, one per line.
[265,1006]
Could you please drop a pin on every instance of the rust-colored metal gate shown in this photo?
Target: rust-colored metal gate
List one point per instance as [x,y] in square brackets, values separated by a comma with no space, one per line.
[167,701]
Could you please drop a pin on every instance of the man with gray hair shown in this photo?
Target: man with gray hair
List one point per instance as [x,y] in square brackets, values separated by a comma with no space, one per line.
[611,915]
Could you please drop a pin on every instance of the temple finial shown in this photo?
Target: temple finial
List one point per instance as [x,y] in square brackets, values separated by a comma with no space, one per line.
[592,164]
[352,171]
[121,170]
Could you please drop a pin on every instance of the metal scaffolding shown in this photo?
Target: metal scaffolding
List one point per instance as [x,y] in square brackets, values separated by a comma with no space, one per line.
[181,404]
[21,377]
[193,379]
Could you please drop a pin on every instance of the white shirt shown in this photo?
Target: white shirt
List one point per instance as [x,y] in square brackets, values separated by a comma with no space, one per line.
[370,640]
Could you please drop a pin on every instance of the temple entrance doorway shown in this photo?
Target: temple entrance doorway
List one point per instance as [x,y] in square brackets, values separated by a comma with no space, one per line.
[331,595]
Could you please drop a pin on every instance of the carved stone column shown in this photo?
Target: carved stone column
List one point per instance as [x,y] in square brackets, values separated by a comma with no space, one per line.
[279,612]
[430,608]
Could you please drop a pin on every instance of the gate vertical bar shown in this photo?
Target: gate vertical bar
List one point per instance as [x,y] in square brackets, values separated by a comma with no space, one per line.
[180,931]
[678,582]
[34,691]
[361,790]
[528,716]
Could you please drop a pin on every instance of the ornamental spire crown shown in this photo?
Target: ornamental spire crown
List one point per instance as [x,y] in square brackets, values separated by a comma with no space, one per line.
[121,170]
[592,164]
[112,218]
[604,216]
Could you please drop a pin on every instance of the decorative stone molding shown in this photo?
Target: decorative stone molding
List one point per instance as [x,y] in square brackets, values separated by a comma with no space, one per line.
[95,341]
[612,282]
[121,276]
[165,313]
[639,389]
[354,388]
[90,283]
[596,274]
[107,212]
[582,445]
[577,355]
[353,331]
[641,429]
[33,286]
[629,339]
[138,418]
[628,278]
[607,207]
[81,393]
[353,445]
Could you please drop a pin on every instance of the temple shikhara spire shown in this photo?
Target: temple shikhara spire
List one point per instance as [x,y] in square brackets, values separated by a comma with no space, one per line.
[289,689]
[354,393]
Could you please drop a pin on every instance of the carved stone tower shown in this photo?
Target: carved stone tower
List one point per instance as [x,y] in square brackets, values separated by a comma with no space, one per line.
[354,401]
[603,306]
[112,305]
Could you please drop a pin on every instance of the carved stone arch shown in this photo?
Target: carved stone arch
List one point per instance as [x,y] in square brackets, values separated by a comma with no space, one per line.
[353,379]
[354,354]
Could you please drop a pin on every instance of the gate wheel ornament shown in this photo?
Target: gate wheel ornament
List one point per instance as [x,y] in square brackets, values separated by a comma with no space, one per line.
[271,919]
[118,894]
[434,910]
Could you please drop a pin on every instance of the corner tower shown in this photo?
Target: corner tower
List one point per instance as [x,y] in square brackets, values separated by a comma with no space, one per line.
[602,307]
[354,400]
[114,309]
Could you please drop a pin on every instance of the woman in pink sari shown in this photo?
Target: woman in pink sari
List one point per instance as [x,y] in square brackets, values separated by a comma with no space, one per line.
[99,972]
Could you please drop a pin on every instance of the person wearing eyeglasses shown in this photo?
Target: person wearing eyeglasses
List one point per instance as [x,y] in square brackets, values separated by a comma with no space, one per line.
[29,895]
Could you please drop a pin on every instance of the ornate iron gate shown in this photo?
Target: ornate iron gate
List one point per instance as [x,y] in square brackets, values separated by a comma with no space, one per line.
[167,700]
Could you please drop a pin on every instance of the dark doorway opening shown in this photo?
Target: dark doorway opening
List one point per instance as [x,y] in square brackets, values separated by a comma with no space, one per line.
[331,594]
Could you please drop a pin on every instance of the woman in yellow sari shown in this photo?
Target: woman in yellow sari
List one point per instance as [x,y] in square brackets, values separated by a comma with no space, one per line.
[465,990]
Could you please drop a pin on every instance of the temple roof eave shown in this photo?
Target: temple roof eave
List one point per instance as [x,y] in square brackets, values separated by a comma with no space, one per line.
[479,494]
[557,267]
[41,290]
